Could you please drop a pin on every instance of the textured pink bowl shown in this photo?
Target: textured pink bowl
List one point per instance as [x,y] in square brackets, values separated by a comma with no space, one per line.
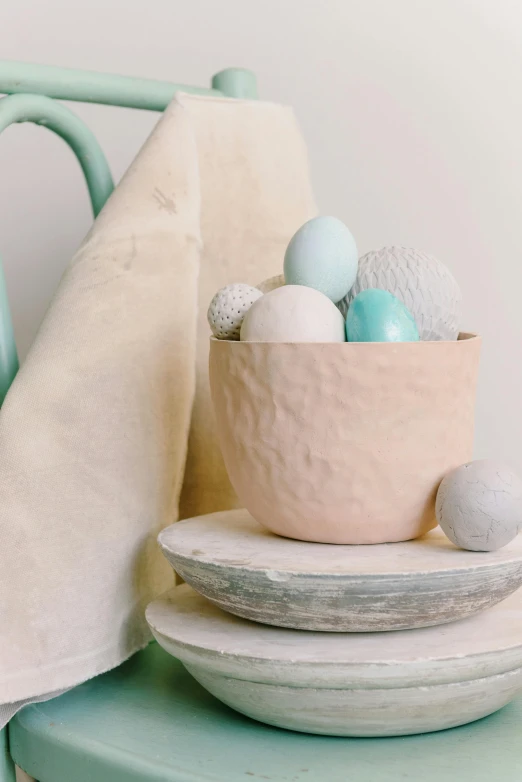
[344,442]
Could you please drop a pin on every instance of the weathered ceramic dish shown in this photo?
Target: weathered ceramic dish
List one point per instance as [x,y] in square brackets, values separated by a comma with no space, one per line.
[364,684]
[343,442]
[243,568]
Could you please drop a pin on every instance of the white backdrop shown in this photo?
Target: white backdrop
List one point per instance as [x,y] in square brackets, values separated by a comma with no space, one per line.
[412,111]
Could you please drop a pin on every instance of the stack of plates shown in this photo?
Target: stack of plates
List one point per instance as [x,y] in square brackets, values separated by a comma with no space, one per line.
[320,638]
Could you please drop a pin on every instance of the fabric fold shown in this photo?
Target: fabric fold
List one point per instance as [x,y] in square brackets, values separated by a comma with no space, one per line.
[110,410]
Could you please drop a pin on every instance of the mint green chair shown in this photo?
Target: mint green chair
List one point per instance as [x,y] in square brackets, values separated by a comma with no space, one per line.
[148,720]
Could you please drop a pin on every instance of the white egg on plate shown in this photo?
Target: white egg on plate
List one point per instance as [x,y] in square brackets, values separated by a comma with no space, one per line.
[479,505]
[293,313]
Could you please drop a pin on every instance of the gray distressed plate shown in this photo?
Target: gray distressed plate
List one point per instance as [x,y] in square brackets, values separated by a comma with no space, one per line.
[247,570]
[351,684]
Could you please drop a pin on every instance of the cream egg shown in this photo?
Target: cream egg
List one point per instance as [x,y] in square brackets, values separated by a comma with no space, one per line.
[293,313]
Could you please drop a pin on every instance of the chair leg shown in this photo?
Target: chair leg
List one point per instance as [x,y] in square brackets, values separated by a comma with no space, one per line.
[21,776]
[7,770]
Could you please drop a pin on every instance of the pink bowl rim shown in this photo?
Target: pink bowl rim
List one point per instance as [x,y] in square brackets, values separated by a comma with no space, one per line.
[464,336]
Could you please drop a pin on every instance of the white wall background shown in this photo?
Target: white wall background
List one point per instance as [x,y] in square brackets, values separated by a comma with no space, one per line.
[412,110]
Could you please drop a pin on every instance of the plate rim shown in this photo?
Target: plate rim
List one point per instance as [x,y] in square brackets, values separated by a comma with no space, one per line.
[268,669]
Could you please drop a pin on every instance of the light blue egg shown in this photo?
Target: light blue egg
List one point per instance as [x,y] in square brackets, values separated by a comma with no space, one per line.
[322,254]
[378,316]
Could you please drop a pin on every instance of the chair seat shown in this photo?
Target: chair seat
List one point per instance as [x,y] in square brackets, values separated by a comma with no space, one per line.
[149,721]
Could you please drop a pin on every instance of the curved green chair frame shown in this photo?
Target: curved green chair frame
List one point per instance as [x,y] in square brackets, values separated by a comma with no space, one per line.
[45,111]
[32,92]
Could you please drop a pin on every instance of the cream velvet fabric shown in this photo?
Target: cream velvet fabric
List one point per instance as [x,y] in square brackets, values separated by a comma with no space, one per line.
[95,430]
[255,193]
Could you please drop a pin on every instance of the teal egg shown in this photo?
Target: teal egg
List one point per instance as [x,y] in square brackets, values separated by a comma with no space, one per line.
[322,254]
[378,316]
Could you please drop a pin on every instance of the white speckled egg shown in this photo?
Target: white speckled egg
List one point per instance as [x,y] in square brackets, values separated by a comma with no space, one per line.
[479,505]
[271,284]
[293,313]
[322,254]
[228,308]
[423,284]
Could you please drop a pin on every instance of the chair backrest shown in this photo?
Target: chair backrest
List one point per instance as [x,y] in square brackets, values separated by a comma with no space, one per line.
[31,94]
